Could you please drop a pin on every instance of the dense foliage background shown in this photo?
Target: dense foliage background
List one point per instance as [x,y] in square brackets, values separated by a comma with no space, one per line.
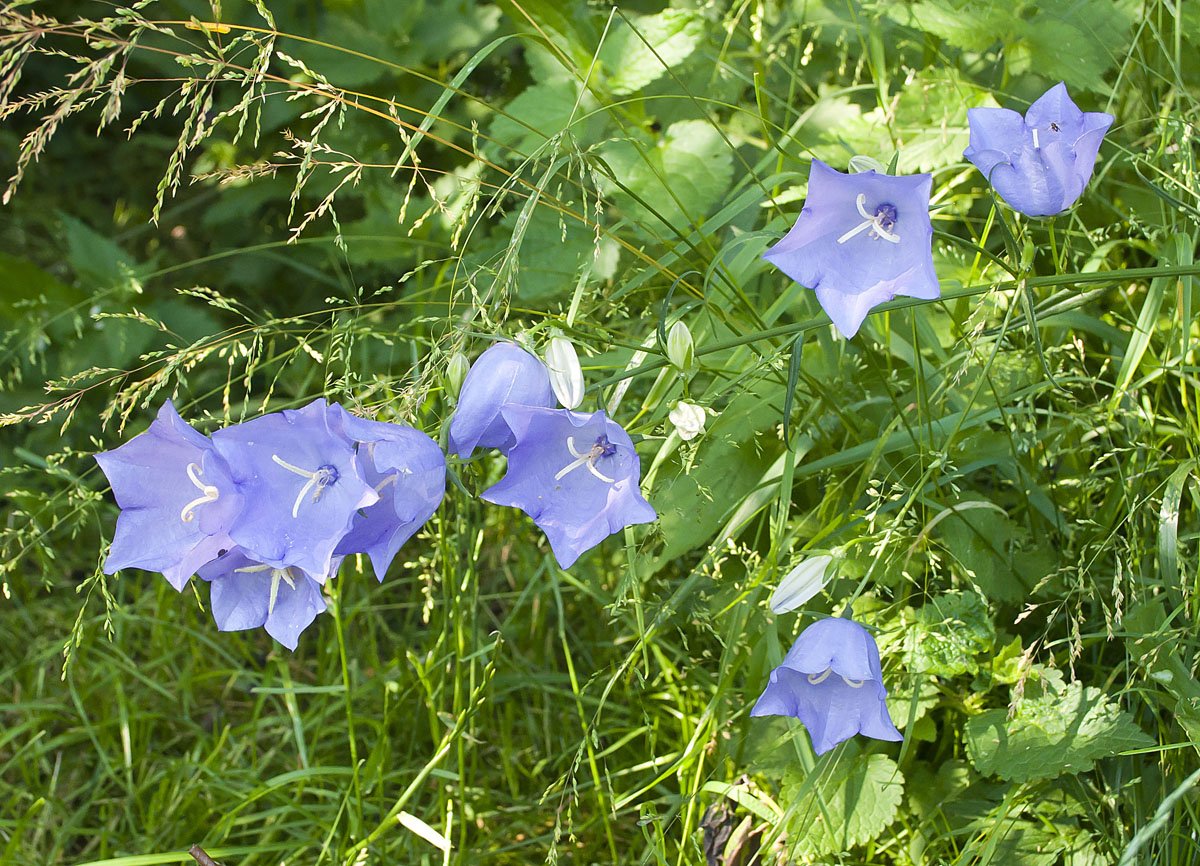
[245,205]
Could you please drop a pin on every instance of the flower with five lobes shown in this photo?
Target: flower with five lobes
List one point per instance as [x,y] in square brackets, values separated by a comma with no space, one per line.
[249,594]
[575,474]
[302,482]
[504,373]
[407,470]
[860,240]
[831,681]
[1039,163]
[177,498]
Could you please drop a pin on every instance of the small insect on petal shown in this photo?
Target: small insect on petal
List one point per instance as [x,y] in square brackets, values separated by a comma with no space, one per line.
[801,584]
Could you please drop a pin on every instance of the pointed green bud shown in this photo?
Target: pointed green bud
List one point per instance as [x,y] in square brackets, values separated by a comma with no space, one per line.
[456,372]
[681,351]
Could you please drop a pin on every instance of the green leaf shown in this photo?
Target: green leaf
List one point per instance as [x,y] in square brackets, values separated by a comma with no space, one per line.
[948,634]
[996,554]
[852,802]
[540,112]
[1063,730]
[682,178]
[672,35]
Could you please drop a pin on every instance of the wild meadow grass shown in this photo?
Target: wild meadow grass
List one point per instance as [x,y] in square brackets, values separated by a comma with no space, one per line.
[247,205]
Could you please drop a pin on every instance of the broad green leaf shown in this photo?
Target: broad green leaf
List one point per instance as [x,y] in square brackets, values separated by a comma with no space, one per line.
[996,554]
[539,113]
[1063,730]
[948,634]
[682,178]
[638,52]
[854,801]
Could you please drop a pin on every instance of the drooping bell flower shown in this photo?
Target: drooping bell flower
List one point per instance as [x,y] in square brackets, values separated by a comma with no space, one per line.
[504,374]
[249,594]
[861,240]
[831,681]
[1039,163]
[575,474]
[407,470]
[302,484]
[177,500]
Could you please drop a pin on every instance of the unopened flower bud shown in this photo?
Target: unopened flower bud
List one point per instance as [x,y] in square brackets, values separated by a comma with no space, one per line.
[801,583]
[456,372]
[859,163]
[566,376]
[681,351]
[688,420]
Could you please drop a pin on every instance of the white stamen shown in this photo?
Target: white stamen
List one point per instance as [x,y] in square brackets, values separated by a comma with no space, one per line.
[585,458]
[391,479]
[208,492]
[314,478]
[870,221]
[278,575]
[1036,146]
[817,679]
[854,684]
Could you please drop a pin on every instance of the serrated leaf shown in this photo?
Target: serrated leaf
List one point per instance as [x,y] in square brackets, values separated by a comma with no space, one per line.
[682,178]
[948,634]
[666,39]
[996,554]
[540,112]
[1063,731]
[853,802]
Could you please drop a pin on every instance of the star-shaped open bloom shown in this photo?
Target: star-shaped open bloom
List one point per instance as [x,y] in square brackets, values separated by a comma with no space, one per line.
[408,472]
[1039,163]
[177,500]
[860,240]
[831,681]
[504,374]
[575,474]
[302,483]
[249,594]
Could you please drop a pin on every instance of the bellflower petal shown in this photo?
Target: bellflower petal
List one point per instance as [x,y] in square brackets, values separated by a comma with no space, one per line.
[302,483]
[575,474]
[503,374]
[249,594]
[177,500]
[408,471]
[1041,164]
[860,240]
[831,681]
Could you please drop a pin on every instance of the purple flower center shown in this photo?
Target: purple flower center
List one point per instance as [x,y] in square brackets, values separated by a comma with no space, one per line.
[600,448]
[323,476]
[881,221]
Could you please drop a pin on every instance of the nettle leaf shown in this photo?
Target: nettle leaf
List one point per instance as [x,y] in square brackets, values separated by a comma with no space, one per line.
[682,178]
[631,63]
[931,118]
[1064,730]
[854,800]
[948,634]
[540,112]
[997,555]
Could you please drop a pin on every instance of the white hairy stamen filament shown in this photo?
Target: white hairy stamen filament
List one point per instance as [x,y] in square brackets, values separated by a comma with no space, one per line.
[208,493]
[870,221]
[1036,145]
[817,679]
[585,458]
[312,477]
[278,575]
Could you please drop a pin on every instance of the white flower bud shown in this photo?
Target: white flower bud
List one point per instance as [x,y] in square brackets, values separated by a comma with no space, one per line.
[801,583]
[681,351]
[456,372]
[860,163]
[566,376]
[688,419]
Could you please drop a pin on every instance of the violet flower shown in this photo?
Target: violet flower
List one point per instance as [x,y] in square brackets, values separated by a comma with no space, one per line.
[860,240]
[407,470]
[575,474]
[302,483]
[505,373]
[831,681]
[250,594]
[1040,163]
[176,496]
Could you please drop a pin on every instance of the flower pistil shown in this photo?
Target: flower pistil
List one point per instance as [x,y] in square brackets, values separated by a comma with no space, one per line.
[208,493]
[600,448]
[324,476]
[881,222]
